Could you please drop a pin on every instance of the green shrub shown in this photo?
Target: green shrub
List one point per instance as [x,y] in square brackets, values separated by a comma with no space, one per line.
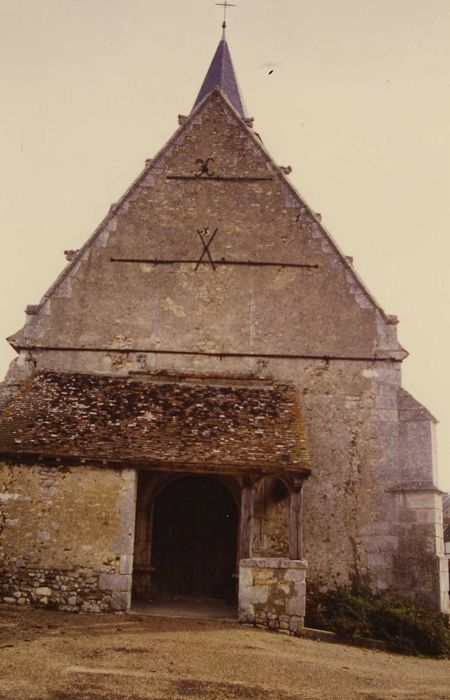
[353,614]
[397,619]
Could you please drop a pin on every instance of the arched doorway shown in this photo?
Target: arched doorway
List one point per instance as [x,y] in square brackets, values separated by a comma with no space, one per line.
[195,539]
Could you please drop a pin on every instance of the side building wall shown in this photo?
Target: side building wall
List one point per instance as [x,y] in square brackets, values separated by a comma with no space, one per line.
[66,536]
[420,564]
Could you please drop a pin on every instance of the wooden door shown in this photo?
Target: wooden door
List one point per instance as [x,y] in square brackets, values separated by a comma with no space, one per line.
[194,541]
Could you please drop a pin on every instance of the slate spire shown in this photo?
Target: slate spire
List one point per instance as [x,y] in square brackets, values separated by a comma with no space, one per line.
[221,73]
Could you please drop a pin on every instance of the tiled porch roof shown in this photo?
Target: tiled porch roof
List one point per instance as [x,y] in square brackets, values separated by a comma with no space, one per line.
[156,423]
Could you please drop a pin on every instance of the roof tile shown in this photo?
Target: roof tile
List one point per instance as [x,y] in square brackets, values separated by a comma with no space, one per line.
[159,423]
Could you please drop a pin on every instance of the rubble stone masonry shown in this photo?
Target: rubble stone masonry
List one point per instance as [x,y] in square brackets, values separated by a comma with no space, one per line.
[272,593]
[66,537]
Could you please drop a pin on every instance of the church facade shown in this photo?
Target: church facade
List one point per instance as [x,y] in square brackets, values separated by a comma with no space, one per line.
[207,402]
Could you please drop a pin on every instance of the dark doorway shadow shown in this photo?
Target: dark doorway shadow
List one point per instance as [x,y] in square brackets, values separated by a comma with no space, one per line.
[194,543]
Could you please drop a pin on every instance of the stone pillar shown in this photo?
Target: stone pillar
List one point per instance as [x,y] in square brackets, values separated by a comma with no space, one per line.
[119,583]
[272,593]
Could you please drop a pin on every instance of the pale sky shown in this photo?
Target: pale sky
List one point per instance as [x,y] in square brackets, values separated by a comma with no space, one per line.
[358,105]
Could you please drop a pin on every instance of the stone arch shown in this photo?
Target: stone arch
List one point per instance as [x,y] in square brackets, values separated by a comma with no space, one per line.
[194,542]
[151,485]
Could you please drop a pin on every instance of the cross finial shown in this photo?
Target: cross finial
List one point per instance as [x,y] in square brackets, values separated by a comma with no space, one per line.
[225,6]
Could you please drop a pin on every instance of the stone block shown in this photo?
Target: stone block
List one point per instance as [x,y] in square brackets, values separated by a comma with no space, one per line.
[126,564]
[43,591]
[383,527]
[444,602]
[246,613]
[120,601]
[296,606]
[295,624]
[297,576]
[129,475]
[444,584]
[264,578]
[114,582]
[387,415]
[301,588]
[276,589]
[245,576]
[419,499]
[254,595]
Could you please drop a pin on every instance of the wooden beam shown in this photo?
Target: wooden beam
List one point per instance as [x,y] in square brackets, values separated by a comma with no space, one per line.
[246,519]
[295,521]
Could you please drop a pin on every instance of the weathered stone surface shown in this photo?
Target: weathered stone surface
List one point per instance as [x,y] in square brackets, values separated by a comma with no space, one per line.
[120,601]
[156,222]
[113,582]
[43,591]
[64,568]
[126,564]
[269,595]
[316,328]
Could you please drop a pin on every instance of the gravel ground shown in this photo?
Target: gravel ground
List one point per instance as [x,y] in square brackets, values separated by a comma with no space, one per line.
[63,656]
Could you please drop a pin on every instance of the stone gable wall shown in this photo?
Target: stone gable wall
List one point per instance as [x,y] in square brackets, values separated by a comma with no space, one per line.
[234,309]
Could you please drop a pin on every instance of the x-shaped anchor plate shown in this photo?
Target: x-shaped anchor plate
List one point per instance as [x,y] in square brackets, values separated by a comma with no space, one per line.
[204,235]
